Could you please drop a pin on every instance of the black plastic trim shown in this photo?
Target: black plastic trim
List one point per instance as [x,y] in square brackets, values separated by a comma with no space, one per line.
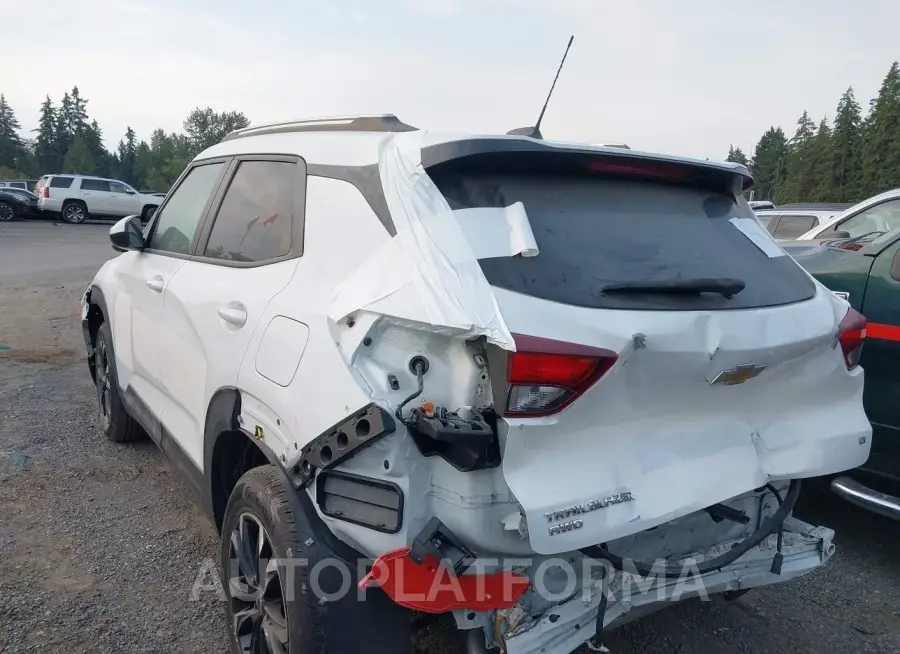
[367,180]
[341,442]
[362,483]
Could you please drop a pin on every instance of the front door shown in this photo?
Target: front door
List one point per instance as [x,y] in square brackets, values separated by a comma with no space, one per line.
[246,255]
[123,201]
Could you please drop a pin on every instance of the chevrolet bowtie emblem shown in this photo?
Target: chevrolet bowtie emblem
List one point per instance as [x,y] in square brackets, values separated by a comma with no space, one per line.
[737,375]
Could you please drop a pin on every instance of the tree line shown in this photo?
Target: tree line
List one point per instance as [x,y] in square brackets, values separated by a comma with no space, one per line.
[68,140]
[847,160]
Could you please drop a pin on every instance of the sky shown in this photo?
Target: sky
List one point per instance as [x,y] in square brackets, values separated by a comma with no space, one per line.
[687,77]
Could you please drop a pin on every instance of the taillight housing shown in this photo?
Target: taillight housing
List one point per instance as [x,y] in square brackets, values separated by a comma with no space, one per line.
[45,192]
[851,336]
[544,376]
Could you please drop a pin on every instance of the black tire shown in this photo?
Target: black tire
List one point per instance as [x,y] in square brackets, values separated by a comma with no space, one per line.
[7,211]
[303,624]
[118,426]
[73,212]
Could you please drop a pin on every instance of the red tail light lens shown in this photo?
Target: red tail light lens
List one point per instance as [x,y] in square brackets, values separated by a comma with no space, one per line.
[852,335]
[545,376]
[45,192]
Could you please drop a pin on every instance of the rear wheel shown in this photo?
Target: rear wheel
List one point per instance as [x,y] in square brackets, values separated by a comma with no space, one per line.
[74,213]
[7,212]
[287,592]
[114,420]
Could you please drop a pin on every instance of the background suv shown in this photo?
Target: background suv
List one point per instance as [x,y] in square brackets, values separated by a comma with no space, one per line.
[78,197]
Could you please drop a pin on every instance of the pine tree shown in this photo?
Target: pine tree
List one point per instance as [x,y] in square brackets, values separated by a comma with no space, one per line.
[12,150]
[45,153]
[769,167]
[736,155]
[77,117]
[62,136]
[93,139]
[846,143]
[799,173]
[79,159]
[881,153]
[127,155]
[821,157]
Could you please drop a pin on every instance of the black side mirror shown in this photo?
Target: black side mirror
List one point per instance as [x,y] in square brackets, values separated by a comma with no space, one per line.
[127,234]
[895,267]
[841,234]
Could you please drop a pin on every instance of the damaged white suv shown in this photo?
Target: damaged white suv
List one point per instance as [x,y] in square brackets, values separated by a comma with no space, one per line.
[544,386]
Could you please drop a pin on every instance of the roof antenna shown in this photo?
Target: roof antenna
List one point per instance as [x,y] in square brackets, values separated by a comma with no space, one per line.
[535,132]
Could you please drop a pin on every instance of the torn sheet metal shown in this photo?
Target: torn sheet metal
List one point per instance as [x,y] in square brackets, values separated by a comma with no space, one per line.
[428,274]
[751,228]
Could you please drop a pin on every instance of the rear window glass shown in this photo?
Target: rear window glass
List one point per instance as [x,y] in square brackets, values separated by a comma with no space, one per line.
[597,231]
[61,182]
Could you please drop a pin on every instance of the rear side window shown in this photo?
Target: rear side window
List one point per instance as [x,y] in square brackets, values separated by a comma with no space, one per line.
[95,185]
[594,231]
[255,219]
[792,226]
[177,222]
[61,182]
[767,220]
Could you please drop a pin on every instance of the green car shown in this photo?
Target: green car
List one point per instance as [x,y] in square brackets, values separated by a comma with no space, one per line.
[866,272]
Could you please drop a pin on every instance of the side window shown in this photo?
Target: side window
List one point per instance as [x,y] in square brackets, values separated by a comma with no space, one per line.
[176,224]
[254,220]
[790,227]
[61,182]
[95,185]
[768,220]
[881,218]
[118,187]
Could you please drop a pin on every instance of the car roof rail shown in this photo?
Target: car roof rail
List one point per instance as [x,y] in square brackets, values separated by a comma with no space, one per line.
[358,123]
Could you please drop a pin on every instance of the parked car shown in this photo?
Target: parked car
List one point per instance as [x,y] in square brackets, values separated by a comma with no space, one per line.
[24,184]
[15,203]
[787,224]
[409,355]
[880,213]
[78,197]
[866,273]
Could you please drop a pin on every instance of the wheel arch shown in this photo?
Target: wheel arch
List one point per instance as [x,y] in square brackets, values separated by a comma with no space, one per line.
[228,451]
[96,316]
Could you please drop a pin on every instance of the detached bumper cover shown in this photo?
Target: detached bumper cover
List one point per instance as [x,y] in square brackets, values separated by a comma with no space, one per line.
[564,627]
[867,498]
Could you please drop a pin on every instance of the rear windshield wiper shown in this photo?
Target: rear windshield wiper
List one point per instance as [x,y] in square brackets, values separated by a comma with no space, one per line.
[721,285]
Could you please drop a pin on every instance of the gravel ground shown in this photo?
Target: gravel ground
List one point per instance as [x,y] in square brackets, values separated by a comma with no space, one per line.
[102,544]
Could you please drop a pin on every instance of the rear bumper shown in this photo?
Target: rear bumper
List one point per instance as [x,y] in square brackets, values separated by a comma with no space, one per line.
[867,498]
[565,627]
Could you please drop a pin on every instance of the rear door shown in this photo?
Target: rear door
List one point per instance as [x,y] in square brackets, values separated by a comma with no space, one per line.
[247,253]
[142,336]
[96,194]
[706,397]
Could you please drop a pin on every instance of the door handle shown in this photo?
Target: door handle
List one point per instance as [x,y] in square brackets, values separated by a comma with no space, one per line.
[155,284]
[234,314]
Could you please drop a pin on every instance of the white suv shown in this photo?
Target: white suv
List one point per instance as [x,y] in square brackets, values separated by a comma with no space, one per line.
[489,375]
[78,197]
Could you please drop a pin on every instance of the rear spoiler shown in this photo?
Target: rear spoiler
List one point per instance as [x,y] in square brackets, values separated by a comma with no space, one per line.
[516,155]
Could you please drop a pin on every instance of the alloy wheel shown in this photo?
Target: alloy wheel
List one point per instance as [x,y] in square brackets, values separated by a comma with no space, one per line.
[6,211]
[74,214]
[101,359]
[257,605]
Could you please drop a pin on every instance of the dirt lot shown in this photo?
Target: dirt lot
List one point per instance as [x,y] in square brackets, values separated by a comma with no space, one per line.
[102,544]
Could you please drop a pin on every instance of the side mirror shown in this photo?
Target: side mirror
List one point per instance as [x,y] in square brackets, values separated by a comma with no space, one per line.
[127,234]
[130,191]
[841,234]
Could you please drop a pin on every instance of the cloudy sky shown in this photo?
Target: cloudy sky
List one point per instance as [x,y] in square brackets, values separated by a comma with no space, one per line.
[686,77]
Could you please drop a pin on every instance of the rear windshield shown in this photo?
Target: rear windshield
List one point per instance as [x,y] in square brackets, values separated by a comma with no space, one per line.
[596,231]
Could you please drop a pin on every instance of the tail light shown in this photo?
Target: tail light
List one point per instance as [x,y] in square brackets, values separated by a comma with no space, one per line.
[45,192]
[545,376]
[852,335]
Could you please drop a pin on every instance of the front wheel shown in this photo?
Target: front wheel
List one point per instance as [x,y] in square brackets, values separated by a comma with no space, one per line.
[7,212]
[286,591]
[118,426]
[74,213]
